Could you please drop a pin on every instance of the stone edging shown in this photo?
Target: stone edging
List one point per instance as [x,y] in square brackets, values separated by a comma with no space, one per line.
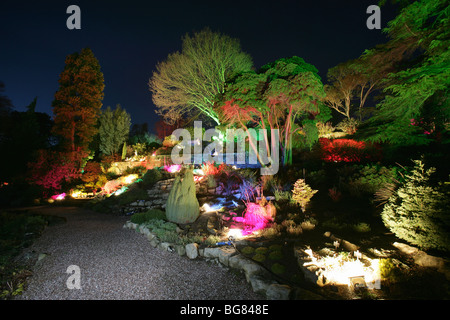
[256,275]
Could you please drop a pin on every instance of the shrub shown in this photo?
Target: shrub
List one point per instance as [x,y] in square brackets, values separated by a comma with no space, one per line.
[132,194]
[210,168]
[302,193]
[371,178]
[278,268]
[143,217]
[259,257]
[348,150]
[151,177]
[324,129]
[348,126]
[361,227]
[261,250]
[275,255]
[389,271]
[52,169]
[248,250]
[92,171]
[418,211]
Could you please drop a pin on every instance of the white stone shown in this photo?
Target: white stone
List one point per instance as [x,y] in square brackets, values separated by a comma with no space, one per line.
[211,252]
[225,254]
[237,261]
[192,250]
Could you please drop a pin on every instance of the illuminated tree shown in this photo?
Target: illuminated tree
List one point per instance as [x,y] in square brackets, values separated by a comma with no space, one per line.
[78,101]
[356,79]
[114,129]
[417,92]
[276,97]
[187,82]
[418,211]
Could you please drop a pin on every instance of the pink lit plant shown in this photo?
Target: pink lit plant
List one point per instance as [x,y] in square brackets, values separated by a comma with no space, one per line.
[172,168]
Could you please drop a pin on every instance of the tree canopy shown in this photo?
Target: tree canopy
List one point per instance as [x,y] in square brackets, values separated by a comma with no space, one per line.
[416,105]
[275,97]
[114,129]
[187,82]
[78,101]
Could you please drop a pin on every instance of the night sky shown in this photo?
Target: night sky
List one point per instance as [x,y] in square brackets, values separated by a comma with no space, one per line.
[130,37]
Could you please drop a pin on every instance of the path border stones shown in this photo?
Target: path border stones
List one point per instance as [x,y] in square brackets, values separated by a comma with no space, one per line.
[226,256]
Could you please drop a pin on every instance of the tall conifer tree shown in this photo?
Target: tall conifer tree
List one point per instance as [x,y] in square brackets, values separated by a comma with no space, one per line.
[78,101]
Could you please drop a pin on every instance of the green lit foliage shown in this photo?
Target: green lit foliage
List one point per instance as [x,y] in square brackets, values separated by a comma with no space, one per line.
[418,211]
[187,82]
[280,96]
[114,129]
[151,177]
[420,89]
[369,179]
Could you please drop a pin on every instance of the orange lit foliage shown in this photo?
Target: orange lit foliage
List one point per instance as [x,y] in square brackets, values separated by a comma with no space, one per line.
[91,172]
[348,150]
[209,168]
[78,101]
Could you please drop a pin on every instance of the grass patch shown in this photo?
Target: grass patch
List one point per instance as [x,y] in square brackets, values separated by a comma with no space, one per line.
[152,214]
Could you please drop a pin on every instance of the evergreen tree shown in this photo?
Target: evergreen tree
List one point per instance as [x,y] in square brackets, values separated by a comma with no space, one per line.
[419,211]
[78,101]
[416,107]
[114,129]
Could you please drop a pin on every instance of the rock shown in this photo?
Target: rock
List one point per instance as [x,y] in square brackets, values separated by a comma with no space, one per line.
[150,236]
[423,259]
[343,243]
[211,252]
[278,292]
[406,249]
[164,246]
[192,250]
[225,254]
[237,261]
[180,250]
[144,231]
[259,283]
[251,268]
[154,242]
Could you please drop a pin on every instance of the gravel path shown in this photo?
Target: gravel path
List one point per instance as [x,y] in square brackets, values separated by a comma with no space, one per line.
[119,264]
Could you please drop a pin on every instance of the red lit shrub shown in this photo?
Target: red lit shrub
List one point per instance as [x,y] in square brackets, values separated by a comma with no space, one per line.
[348,150]
[51,169]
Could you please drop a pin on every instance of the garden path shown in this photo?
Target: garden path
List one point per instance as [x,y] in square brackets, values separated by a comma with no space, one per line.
[119,264]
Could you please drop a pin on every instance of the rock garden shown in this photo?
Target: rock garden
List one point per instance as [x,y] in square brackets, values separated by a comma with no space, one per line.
[287,237]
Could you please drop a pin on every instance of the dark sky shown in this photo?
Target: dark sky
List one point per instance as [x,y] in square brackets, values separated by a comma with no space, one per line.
[130,37]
